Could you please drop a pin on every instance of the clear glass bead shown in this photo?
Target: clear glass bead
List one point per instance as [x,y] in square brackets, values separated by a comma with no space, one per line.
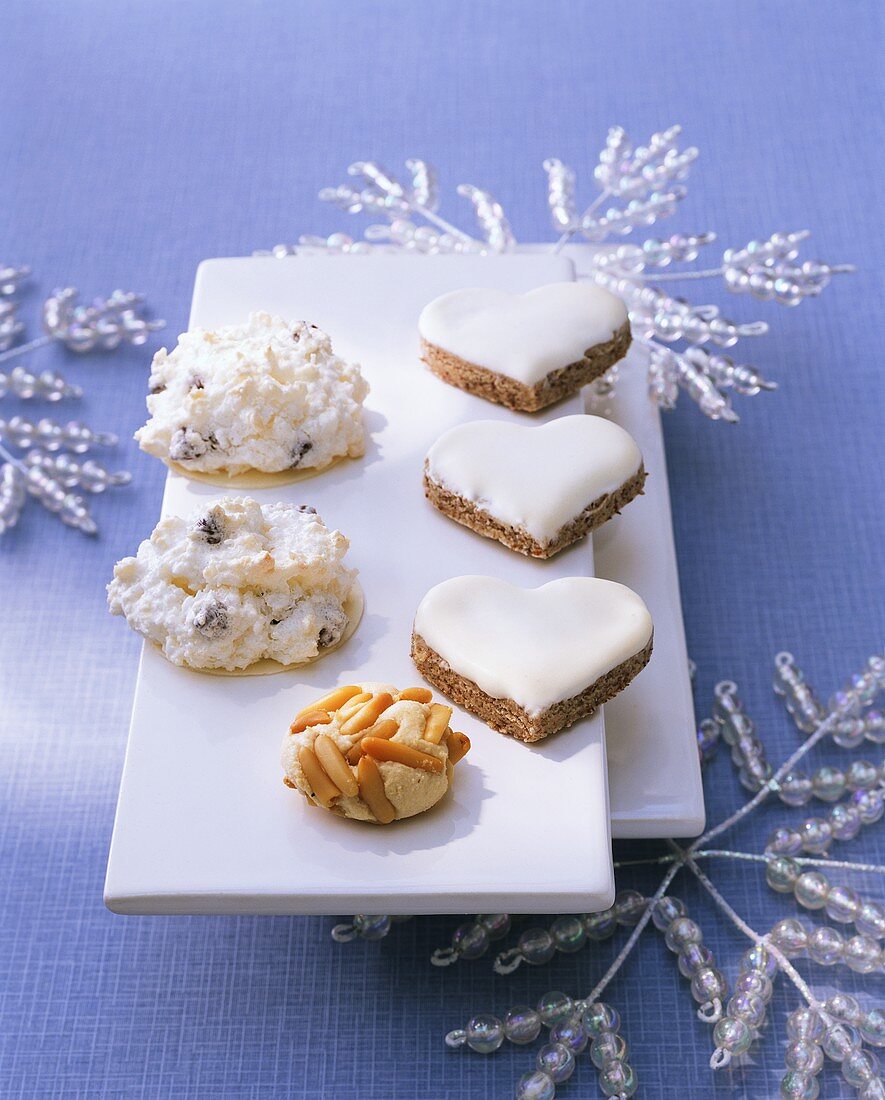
[747,1007]
[606,1047]
[708,984]
[845,821]
[617,1079]
[843,904]
[600,926]
[601,1017]
[555,1006]
[870,805]
[781,873]
[817,835]
[795,789]
[861,775]
[828,783]
[804,1056]
[496,924]
[799,1086]
[845,702]
[874,726]
[872,1090]
[537,946]
[522,1025]
[843,1007]
[872,1027]
[371,928]
[693,958]
[535,1085]
[629,907]
[758,958]
[839,1041]
[785,842]
[811,890]
[752,981]
[470,941]
[571,1033]
[666,911]
[859,1067]
[805,1023]
[556,1060]
[826,946]
[753,775]
[849,732]
[485,1034]
[863,954]
[681,933]
[732,1035]
[864,685]
[568,934]
[707,737]
[790,936]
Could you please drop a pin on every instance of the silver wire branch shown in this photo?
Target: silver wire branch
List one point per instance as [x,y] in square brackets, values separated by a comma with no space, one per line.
[621,956]
[783,962]
[771,786]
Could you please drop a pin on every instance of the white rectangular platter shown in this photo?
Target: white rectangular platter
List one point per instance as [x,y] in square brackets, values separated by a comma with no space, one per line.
[204,823]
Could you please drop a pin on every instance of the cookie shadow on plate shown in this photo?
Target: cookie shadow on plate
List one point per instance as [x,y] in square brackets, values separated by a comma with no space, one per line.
[456,815]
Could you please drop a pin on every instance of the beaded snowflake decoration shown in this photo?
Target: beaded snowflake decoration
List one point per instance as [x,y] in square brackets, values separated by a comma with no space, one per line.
[49,468]
[642,184]
[837,1028]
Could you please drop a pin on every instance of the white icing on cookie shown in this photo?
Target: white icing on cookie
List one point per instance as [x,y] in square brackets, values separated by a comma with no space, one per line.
[523,336]
[536,478]
[536,646]
[266,395]
[237,583]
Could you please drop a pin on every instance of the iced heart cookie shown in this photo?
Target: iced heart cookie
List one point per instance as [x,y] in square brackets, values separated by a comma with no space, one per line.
[373,753]
[265,396]
[524,351]
[531,661]
[535,489]
[237,584]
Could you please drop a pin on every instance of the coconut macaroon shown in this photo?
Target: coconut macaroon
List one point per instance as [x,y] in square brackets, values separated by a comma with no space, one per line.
[237,583]
[373,753]
[267,395]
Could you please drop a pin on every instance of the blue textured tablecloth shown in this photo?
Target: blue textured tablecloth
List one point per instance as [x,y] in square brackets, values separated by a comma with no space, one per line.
[137,140]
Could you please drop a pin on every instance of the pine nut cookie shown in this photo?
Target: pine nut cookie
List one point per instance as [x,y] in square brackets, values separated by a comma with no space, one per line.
[373,753]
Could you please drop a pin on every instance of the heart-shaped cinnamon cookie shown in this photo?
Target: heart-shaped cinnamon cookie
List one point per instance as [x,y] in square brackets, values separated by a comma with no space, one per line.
[535,489]
[531,661]
[524,351]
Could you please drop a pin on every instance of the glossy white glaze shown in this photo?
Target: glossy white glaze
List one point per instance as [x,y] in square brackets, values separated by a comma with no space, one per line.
[523,336]
[537,478]
[536,646]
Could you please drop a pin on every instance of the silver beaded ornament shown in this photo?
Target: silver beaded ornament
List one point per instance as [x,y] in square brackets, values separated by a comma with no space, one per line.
[641,185]
[838,1029]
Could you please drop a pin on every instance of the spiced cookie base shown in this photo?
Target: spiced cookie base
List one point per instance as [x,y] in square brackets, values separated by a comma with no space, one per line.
[502,390]
[471,515]
[506,716]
